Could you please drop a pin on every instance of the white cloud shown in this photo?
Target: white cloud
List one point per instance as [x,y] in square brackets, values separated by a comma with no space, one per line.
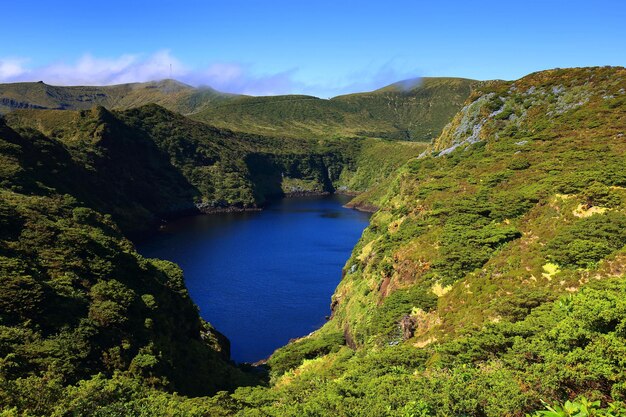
[11,68]
[229,77]
[372,78]
[89,70]
[242,79]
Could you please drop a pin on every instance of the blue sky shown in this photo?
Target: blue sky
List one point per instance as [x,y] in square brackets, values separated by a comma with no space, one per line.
[317,47]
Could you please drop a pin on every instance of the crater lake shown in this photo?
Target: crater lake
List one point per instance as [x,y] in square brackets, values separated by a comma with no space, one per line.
[263,278]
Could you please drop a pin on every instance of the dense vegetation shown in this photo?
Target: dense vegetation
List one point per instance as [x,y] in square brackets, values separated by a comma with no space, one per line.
[489,283]
[77,300]
[123,155]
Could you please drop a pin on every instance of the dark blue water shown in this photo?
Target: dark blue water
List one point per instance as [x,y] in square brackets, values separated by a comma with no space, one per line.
[262,278]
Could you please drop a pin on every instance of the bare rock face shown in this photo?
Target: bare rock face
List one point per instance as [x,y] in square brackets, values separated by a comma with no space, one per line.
[407,325]
[349,339]
[216,340]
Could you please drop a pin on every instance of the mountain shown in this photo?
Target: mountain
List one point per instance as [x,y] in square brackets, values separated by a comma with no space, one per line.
[417,113]
[172,94]
[418,108]
[489,282]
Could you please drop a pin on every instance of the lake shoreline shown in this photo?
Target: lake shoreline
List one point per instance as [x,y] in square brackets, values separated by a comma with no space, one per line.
[199,209]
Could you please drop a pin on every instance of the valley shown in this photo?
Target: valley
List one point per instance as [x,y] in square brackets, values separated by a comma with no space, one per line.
[489,281]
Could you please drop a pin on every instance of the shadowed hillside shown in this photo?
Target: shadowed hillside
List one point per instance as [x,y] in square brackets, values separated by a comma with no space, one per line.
[196,167]
[76,299]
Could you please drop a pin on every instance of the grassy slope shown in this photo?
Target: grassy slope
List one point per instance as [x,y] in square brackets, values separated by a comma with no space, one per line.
[418,109]
[547,142]
[416,113]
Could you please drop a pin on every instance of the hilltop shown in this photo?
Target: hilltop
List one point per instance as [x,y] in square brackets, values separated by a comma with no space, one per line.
[414,114]
[172,94]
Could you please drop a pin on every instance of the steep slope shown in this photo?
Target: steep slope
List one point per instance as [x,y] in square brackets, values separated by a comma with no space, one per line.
[77,299]
[124,155]
[414,111]
[197,167]
[522,163]
[490,278]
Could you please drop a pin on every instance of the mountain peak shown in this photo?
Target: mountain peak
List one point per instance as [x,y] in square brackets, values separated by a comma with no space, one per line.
[167,85]
[404,85]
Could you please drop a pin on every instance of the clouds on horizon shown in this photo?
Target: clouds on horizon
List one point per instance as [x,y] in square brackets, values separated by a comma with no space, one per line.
[230,77]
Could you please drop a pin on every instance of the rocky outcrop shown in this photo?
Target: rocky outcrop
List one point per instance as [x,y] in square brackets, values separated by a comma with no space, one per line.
[13,104]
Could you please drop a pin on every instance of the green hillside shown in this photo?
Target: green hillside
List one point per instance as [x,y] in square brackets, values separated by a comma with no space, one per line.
[415,113]
[418,109]
[492,277]
[490,281]
[77,299]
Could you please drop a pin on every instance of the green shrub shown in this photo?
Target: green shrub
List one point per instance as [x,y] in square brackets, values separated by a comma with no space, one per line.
[581,407]
[588,240]
[463,248]
[292,355]
[518,164]
[598,194]
[385,319]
